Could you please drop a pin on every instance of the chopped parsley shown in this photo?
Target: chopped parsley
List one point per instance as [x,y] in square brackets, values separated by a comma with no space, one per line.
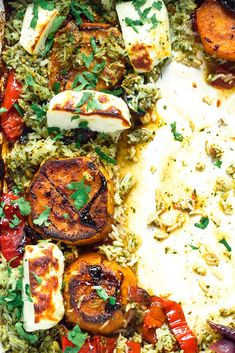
[24,206]
[3,110]
[193,247]
[177,135]
[93,44]
[14,222]
[78,10]
[133,23]
[39,111]
[204,221]
[78,338]
[28,292]
[157,5]
[225,243]
[81,195]
[30,337]
[218,163]
[116,92]
[38,279]
[104,156]
[19,109]
[104,296]
[50,39]
[29,80]
[2,214]
[46,5]
[83,124]
[43,218]
[56,87]
[88,59]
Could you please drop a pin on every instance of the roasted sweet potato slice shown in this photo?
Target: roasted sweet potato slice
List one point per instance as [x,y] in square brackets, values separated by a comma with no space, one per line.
[51,192]
[73,44]
[216,27]
[89,275]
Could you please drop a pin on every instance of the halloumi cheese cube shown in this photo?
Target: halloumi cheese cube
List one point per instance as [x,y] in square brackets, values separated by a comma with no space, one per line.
[147,44]
[33,40]
[43,266]
[101,112]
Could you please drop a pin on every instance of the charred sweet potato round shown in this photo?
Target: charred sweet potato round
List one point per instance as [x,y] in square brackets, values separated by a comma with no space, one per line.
[216,27]
[87,277]
[71,201]
[72,54]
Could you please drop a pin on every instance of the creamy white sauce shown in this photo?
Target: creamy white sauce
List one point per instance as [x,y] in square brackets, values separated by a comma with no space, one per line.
[174,163]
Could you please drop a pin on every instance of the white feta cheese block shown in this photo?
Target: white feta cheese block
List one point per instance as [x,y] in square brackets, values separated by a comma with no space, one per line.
[33,40]
[147,45]
[42,282]
[101,112]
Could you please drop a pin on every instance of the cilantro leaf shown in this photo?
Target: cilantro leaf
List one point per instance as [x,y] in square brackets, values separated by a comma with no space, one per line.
[193,247]
[34,20]
[50,39]
[93,44]
[38,279]
[116,92]
[2,214]
[39,111]
[104,156]
[83,125]
[218,163]
[225,243]
[104,296]
[31,338]
[204,221]
[81,195]
[77,337]
[157,5]
[14,222]
[3,110]
[87,59]
[78,10]
[28,292]
[29,80]
[133,23]
[177,135]
[24,206]
[43,218]
[19,109]
[56,87]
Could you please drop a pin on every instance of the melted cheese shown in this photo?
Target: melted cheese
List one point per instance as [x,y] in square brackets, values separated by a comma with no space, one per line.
[203,114]
[146,45]
[33,39]
[42,282]
[106,112]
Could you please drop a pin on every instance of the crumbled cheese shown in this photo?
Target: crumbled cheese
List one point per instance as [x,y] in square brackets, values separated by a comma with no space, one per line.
[222,185]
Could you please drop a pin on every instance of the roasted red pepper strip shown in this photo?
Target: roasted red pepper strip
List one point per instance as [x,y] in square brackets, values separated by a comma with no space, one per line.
[11,121]
[96,344]
[153,319]
[133,347]
[12,240]
[178,325]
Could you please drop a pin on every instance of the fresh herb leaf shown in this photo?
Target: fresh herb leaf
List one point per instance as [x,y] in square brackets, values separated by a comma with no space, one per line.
[88,59]
[53,129]
[19,109]
[104,296]
[99,67]
[116,92]
[28,292]
[58,21]
[133,23]
[157,5]
[79,79]
[2,214]
[105,157]
[78,10]
[225,243]
[75,117]
[3,110]
[31,338]
[218,163]
[34,20]
[29,80]
[93,104]
[204,221]
[93,44]
[38,279]
[56,87]
[77,337]
[24,206]
[177,135]
[154,21]
[39,111]
[81,195]
[193,247]
[43,218]
[83,125]
[14,222]
[66,216]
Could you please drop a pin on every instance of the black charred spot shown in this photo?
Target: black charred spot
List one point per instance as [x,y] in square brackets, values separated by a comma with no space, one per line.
[96,273]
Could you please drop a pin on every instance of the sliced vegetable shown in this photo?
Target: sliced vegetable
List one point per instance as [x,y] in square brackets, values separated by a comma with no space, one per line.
[226,331]
[153,319]
[96,344]
[11,121]
[223,346]
[140,296]
[133,347]
[12,230]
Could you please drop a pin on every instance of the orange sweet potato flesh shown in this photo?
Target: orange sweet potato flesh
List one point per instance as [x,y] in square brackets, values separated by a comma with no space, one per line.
[216,27]
[83,306]
[49,188]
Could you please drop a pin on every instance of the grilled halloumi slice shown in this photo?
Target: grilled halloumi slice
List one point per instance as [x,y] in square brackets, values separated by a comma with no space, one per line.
[146,36]
[33,39]
[42,281]
[101,112]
